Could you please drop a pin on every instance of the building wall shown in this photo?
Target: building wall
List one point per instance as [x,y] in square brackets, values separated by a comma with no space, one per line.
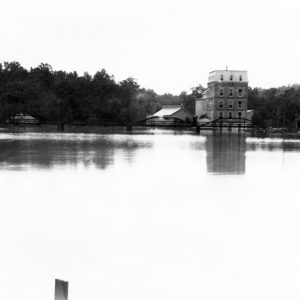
[229,94]
[201,107]
[204,106]
[183,114]
[226,96]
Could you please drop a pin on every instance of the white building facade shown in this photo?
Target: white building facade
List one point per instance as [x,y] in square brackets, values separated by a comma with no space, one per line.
[226,96]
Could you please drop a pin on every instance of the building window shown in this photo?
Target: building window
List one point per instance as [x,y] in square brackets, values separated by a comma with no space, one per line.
[240,91]
[221,92]
[222,77]
[239,115]
[230,115]
[241,78]
[230,92]
[231,77]
[221,115]
[229,104]
[240,104]
[221,104]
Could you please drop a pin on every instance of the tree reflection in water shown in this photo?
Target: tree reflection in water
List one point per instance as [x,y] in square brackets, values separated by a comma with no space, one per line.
[57,150]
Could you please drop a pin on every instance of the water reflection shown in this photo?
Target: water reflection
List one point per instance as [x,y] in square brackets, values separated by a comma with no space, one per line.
[109,228]
[273,144]
[226,154]
[36,150]
[223,153]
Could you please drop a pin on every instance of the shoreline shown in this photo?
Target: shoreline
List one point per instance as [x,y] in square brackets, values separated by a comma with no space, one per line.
[122,129]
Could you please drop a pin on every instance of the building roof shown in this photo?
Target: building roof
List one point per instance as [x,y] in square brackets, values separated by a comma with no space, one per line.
[227,71]
[168,110]
[23,117]
[216,75]
[204,120]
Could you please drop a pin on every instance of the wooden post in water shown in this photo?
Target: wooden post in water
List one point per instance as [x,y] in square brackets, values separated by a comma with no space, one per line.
[61,290]
[61,127]
[129,127]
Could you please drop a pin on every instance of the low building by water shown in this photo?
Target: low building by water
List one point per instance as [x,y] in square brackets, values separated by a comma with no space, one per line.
[170,115]
[22,119]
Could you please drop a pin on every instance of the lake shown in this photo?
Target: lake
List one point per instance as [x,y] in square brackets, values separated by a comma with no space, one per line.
[149,215]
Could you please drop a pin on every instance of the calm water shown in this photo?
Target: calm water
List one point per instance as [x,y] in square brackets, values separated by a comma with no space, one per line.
[149,216]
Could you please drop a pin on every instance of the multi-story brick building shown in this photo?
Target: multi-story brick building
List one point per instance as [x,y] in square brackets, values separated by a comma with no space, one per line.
[226,96]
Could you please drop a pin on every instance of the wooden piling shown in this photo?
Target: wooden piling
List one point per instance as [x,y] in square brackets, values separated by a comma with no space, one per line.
[129,128]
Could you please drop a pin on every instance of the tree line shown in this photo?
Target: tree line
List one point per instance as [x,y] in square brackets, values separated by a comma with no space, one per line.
[67,98]
[275,107]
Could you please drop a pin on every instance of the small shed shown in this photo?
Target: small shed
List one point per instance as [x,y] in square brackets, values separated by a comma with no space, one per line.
[22,119]
[170,115]
[249,114]
[297,123]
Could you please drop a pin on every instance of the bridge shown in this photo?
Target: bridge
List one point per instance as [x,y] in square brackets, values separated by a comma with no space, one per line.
[178,123]
[227,123]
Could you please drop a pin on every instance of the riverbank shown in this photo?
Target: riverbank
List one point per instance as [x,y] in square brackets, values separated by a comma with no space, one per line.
[100,129]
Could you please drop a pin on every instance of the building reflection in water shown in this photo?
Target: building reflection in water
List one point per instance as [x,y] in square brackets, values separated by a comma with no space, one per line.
[66,150]
[226,153]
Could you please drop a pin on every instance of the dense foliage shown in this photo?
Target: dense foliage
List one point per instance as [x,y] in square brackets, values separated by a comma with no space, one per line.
[185,99]
[275,107]
[62,97]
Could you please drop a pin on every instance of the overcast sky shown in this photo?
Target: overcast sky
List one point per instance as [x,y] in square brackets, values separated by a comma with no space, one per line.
[167,45]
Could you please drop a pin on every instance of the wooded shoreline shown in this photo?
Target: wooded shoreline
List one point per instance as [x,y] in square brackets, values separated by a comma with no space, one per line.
[59,97]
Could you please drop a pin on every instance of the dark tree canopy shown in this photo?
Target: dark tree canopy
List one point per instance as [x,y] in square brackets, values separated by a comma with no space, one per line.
[65,97]
[59,96]
[275,107]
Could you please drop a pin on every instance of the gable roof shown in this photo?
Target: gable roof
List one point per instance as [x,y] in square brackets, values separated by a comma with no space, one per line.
[22,117]
[167,110]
